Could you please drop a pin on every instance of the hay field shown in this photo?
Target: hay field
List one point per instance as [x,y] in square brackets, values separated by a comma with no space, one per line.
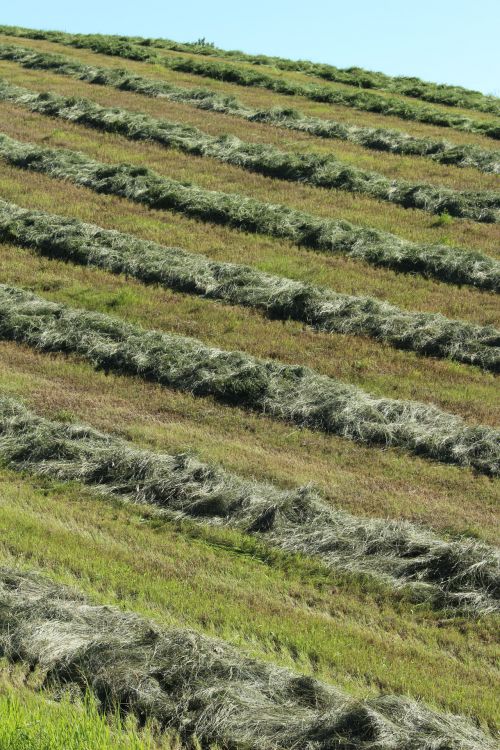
[249,413]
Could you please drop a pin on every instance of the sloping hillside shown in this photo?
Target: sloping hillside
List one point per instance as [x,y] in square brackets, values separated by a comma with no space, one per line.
[249,445]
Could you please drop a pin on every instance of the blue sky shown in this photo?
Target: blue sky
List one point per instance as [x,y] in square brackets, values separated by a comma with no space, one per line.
[450,41]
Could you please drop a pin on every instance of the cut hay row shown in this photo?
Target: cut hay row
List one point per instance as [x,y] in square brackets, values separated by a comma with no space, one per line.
[462,573]
[86,244]
[319,171]
[145,186]
[436,93]
[286,392]
[378,139]
[202,686]
[223,71]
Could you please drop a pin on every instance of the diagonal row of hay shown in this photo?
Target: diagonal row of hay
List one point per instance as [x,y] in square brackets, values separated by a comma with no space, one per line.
[460,574]
[449,264]
[320,171]
[286,392]
[202,686]
[86,244]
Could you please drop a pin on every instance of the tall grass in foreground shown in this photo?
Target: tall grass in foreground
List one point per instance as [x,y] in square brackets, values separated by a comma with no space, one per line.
[319,171]
[202,686]
[222,71]
[32,720]
[461,574]
[378,139]
[86,244]
[145,186]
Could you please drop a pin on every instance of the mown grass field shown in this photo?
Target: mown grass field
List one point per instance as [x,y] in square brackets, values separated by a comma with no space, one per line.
[349,630]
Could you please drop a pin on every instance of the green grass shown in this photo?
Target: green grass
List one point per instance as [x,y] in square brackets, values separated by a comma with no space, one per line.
[411,224]
[373,366]
[294,394]
[362,480]
[457,575]
[456,96]
[38,720]
[294,130]
[54,236]
[280,257]
[325,172]
[244,75]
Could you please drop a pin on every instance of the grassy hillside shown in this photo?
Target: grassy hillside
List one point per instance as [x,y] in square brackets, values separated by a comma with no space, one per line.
[357,621]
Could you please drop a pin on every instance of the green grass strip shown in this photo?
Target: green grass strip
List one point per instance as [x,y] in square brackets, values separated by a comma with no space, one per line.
[240,212]
[222,71]
[86,244]
[286,392]
[319,171]
[378,139]
[460,574]
[202,686]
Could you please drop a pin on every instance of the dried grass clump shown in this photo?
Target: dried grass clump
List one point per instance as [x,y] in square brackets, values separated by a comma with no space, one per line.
[202,686]
[87,244]
[463,573]
[379,139]
[313,169]
[241,212]
[223,71]
[286,392]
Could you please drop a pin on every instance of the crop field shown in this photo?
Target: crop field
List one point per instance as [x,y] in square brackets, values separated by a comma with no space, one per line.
[249,411]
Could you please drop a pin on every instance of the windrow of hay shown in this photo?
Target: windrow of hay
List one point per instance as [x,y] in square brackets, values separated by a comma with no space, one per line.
[86,244]
[436,93]
[223,71]
[202,686]
[462,573]
[320,171]
[378,139]
[288,392]
[145,186]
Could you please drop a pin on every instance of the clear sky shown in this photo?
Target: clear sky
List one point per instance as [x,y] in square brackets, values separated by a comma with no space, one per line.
[450,41]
